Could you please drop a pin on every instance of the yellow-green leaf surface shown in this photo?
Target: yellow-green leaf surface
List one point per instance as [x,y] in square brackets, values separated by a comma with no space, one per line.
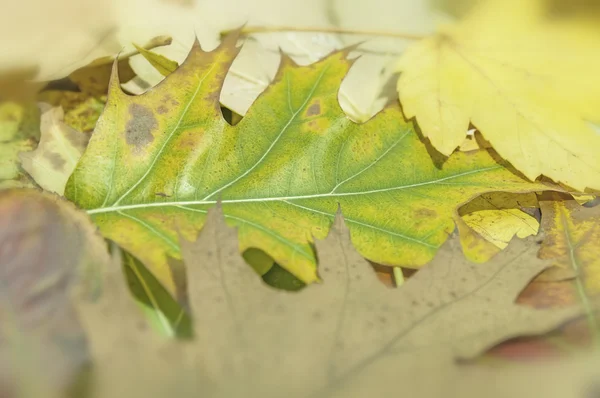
[527,80]
[19,131]
[162,64]
[157,162]
[81,110]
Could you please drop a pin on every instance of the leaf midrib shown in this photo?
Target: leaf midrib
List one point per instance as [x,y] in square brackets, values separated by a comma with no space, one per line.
[117,208]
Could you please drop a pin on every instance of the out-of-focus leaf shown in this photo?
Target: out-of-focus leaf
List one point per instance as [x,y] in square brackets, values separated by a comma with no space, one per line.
[344,338]
[49,252]
[363,93]
[573,244]
[165,313]
[495,218]
[162,64]
[16,85]
[81,110]
[93,78]
[57,153]
[526,81]
[258,259]
[19,131]
[282,279]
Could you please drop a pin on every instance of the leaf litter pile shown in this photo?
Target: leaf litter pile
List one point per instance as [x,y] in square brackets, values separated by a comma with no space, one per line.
[162,234]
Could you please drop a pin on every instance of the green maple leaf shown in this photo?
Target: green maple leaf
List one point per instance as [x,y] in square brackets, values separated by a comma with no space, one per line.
[157,162]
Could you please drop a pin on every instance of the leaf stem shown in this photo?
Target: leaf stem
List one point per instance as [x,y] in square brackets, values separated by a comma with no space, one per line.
[398,276]
[324,29]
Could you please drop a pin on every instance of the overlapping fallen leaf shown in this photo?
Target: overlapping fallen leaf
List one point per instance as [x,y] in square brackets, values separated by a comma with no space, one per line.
[57,153]
[490,221]
[527,81]
[159,161]
[346,337]
[571,243]
[156,163]
[327,340]
[19,131]
[48,251]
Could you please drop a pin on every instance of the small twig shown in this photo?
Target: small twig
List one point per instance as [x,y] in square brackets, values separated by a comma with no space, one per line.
[271,29]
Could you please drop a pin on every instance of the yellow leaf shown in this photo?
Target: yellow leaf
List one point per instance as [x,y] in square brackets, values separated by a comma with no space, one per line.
[161,63]
[528,83]
[81,110]
[494,219]
[572,240]
[584,198]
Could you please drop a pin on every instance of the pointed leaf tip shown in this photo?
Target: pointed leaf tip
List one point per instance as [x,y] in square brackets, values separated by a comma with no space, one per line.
[280,173]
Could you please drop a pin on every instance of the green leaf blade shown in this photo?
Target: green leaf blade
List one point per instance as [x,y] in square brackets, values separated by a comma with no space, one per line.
[157,162]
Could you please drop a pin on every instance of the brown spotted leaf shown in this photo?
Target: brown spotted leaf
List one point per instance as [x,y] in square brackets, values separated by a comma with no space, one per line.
[157,162]
[572,245]
[58,152]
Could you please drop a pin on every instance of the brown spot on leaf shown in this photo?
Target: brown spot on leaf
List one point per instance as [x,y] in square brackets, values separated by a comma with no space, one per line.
[162,109]
[57,162]
[314,109]
[425,213]
[139,128]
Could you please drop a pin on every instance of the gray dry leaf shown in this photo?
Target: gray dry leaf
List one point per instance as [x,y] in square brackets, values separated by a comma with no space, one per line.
[48,249]
[58,152]
[348,336]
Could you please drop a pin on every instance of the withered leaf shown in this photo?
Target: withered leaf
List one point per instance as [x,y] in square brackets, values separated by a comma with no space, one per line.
[344,337]
[48,251]
[57,153]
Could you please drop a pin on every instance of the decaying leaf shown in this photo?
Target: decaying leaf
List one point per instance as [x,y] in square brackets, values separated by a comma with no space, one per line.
[573,244]
[570,243]
[57,153]
[529,84]
[572,240]
[342,338]
[49,250]
[158,161]
[81,110]
[19,131]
